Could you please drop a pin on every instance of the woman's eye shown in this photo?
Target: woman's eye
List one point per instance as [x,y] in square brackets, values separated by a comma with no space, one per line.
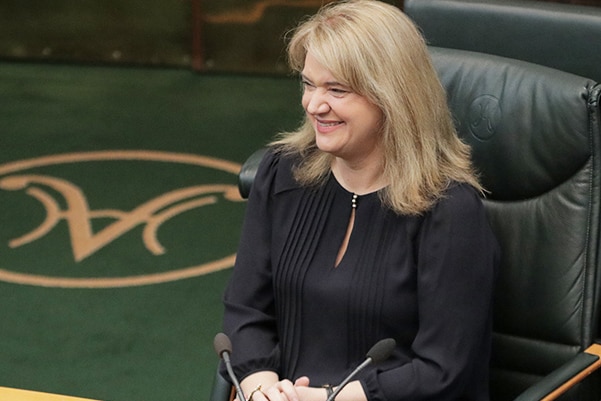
[306,84]
[339,91]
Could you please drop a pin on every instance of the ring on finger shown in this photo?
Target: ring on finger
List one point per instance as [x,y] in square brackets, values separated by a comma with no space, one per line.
[258,388]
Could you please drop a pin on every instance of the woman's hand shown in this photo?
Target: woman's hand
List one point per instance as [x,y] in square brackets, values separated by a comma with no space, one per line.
[285,390]
[269,388]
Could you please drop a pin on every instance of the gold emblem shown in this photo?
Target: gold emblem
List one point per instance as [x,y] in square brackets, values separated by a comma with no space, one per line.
[73,208]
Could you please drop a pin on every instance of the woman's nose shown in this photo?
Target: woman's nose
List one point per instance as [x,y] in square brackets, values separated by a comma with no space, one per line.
[317,103]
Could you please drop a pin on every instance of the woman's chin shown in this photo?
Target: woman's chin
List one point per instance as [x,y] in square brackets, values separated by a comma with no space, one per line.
[326,146]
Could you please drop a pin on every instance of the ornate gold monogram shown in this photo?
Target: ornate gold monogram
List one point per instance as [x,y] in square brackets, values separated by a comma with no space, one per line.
[79,217]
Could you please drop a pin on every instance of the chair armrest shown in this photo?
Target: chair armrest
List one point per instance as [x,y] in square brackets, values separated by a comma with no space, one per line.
[222,390]
[248,172]
[564,377]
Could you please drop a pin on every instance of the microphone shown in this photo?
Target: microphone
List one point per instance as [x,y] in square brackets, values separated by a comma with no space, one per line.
[378,353]
[223,347]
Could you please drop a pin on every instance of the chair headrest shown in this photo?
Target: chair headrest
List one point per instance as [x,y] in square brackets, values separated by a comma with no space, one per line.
[560,36]
[523,121]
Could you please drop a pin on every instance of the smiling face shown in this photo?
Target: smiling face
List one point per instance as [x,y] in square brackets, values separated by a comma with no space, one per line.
[346,124]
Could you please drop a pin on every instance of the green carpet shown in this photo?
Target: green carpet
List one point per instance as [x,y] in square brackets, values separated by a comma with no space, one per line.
[119,221]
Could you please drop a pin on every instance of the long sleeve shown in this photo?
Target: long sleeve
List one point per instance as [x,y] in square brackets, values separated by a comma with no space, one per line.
[249,317]
[456,268]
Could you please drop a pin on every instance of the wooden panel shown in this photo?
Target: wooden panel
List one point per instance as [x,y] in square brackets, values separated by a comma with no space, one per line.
[12,394]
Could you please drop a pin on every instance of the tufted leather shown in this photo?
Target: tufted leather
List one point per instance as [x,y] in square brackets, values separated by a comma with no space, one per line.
[562,36]
[534,132]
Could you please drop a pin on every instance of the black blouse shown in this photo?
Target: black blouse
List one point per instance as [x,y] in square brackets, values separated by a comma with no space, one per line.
[426,281]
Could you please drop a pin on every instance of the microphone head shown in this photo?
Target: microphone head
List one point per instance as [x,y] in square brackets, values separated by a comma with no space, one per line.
[381,350]
[222,344]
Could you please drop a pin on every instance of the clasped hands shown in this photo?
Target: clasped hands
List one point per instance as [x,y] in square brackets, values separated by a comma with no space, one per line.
[285,390]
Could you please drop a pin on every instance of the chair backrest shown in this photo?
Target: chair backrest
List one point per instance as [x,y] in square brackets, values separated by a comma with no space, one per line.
[535,133]
[248,172]
[562,36]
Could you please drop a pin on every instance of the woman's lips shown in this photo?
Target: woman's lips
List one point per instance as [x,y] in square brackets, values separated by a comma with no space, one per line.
[325,127]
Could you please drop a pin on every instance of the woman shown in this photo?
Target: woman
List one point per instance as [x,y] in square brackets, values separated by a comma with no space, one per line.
[364,224]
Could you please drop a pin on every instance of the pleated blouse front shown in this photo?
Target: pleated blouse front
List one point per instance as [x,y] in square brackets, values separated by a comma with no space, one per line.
[290,309]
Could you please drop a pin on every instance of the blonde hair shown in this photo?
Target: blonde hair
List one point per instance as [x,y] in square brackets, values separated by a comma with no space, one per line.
[375,49]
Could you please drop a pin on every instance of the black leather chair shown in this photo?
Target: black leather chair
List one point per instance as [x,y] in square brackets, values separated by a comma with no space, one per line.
[562,36]
[535,135]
